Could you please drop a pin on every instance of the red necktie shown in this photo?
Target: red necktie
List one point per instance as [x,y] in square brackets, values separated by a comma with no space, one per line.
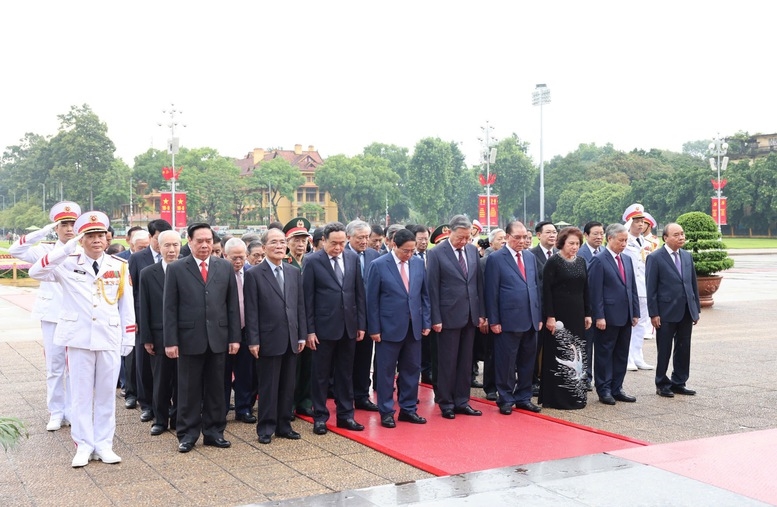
[520,265]
[204,271]
[620,268]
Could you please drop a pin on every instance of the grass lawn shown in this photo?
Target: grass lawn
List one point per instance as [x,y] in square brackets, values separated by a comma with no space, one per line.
[737,243]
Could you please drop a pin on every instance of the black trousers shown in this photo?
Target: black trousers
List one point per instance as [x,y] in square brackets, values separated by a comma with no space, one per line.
[454,366]
[329,354]
[275,384]
[674,339]
[201,396]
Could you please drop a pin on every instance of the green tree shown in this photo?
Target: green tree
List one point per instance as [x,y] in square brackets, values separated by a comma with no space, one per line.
[210,181]
[431,179]
[279,175]
[515,174]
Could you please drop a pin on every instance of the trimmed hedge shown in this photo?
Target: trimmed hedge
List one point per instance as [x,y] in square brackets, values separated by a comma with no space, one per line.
[704,242]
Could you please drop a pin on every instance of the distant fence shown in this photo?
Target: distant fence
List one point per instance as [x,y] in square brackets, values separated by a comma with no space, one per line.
[12,268]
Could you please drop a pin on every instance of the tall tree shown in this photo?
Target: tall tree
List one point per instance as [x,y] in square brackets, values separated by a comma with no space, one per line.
[515,174]
[431,182]
[281,177]
[210,181]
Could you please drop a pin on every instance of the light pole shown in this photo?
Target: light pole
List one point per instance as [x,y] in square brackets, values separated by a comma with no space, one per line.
[489,157]
[540,97]
[43,198]
[718,148]
[172,149]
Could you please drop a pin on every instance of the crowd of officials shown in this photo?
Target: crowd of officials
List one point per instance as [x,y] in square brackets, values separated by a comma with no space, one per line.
[271,326]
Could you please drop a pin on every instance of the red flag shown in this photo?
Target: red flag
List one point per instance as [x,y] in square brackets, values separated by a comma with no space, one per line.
[482,180]
[492,178]
[167,173]
[180,209]
[178,172]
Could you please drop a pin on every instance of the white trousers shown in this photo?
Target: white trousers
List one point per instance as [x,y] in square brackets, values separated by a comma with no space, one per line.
[93,376]
[639,332]
[57,377]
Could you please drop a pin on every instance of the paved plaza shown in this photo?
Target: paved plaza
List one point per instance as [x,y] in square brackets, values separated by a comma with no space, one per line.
[733,368]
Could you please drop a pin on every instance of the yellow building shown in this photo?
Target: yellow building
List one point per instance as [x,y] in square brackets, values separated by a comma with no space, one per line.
[311,202]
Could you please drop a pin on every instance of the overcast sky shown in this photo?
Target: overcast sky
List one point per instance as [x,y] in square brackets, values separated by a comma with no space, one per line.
[341,75]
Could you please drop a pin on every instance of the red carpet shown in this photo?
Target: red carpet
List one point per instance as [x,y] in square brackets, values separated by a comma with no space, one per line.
[468,444]
[744,463]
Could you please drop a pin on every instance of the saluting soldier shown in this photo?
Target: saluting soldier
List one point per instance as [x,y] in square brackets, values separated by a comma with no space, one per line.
[62,215]
[97,325]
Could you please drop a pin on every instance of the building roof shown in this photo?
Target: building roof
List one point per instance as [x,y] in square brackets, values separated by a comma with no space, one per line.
[305,160]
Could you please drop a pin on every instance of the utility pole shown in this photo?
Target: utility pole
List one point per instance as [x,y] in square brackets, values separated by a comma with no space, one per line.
[172,149]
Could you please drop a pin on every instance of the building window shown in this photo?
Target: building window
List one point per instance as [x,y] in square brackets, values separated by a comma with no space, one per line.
[310,195]
[299,195]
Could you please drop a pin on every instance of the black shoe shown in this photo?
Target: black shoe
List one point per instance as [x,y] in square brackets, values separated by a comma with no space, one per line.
[467,410]
[505,409]
[607,399]
[185,446]
[157,429]
[305,411]
[172,423]
[587,385]
[319,428]
[265,439]
[447,413]
[246,418]
[387,421]
[411,417]
[682,390]
[665,392]
[367,405]
[146,415]
[217,442]
[130,402]
[426,379]
[535,390]
[527,405]
[621,396]
[291,435]
[230,408]
[476,384]
[349,424]
[491,396]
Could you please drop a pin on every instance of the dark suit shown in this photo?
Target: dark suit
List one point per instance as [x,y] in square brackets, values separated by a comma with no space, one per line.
[201,319]
[399,316]
[618,303]
[362,356]
[144,379]
[457,304]
[541,257]
[334,313]
[513,302]
[242,366]
[276,321]
[539,253]
[585,253]
[675,299]
[151,319]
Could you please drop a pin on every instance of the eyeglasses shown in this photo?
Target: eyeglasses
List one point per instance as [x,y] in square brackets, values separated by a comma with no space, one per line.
[406,251]
[518,237]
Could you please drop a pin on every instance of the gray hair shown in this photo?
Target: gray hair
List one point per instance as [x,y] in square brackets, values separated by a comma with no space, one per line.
[267,233]
[254,244]
[493,234]
[164,234]
[460,222]
[141,234]
[356,225]
[249,237]
[233,243]
[613,230]
[392,229]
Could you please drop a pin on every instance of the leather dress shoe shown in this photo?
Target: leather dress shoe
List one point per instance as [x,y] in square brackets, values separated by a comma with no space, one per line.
[265,439]
[367,405]
[146,415]
[185,446]
[682,390]
[535,390]
[387,421]
[246,418]
[505,409]
[217,442]
[467,410]
[607,399]
[527,405]
[157,429]
[621,396]
[411,417]
[291,435]
[305,411]
[130,402]
[665,392]
[319,428]
[491,396]
[447,413]
[476,384]
[587,385]
[349,424]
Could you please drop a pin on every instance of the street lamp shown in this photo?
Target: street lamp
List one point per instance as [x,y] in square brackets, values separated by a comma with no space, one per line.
[718,148]
[489,157]
[172,149]
[540,97]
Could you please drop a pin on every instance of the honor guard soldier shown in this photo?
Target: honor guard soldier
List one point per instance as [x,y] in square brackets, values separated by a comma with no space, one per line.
[62,215]
[97,325]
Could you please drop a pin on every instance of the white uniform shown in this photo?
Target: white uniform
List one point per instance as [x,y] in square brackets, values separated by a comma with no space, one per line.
[97,325]
[638,254]
[47,302]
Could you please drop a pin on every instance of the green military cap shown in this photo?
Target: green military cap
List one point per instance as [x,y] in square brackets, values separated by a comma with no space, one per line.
[299,226]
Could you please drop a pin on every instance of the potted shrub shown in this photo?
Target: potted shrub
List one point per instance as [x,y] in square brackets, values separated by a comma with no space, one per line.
[709,253]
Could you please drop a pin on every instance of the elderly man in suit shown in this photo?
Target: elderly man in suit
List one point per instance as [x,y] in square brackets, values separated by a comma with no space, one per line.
[150,317]
[201,324]
[612,286]
[335,308]
[398,315]
[276,329]
[514,315]
[358,234]
[456,296]
[673,305]
[143,376]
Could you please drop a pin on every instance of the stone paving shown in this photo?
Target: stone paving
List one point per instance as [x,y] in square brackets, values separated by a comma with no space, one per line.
[733,369]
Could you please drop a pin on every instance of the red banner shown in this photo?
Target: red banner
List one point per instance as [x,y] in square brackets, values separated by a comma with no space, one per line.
[483,213]
[166,207]
[719,211]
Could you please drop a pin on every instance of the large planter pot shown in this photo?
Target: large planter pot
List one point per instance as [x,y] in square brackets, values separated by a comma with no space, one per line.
[708,285]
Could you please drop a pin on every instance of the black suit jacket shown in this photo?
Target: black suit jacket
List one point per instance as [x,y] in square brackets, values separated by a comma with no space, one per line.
[455,300]
[198,314]
[274,320]
[332,309]
[151,290]
[137,262]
